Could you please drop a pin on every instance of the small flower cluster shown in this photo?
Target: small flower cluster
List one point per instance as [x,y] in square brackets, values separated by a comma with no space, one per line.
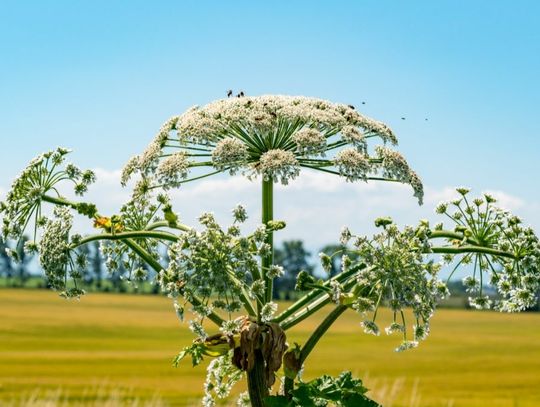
[230,154]
[398,275]
[394,166]
[278,165]
[354,136]
[214,265]
[516,277]
[309,141]
[173,170]
[55,256]
[221,376]
[29,189]
[352,164]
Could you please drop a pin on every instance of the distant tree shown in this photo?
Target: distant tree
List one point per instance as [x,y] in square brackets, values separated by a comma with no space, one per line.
[294,258]
[22,273]
[6,264]
[15,271]
[96,265]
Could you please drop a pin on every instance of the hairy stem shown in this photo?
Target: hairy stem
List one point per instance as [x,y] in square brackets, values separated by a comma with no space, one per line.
[320,331]
[135,234]
[314,295]
[257,388]
[472,249]
[267,215]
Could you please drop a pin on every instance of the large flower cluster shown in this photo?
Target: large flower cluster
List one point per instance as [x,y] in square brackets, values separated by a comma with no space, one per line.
[23,201]
[271,136]
[398,275]
[215,265]
[55,255]
[516,277]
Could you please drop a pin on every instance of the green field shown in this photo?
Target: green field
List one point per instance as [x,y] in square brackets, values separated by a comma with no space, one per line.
[113,349]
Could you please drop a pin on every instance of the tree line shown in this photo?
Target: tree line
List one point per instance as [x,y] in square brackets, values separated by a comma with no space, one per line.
[292,255]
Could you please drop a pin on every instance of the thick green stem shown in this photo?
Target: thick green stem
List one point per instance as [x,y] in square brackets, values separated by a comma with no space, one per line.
[472,249]
[320,331]
[268,215]
[257,388]
[314,295]
[135,234]
[59,201]
[165,224]
[313,307]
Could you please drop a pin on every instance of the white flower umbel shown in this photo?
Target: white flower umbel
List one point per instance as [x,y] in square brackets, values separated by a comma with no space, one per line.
[230,154]
[517,279]
[397,274]
[221,376]
[270,135]
[394,166]
[54,252]
[37,182]
[309,141]
[278,165]
[172,170]
[352,164]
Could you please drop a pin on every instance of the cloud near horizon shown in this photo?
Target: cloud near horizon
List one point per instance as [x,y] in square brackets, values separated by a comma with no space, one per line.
[315,205]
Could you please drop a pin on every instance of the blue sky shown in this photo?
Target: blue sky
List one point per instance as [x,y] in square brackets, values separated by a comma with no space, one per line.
[101,77]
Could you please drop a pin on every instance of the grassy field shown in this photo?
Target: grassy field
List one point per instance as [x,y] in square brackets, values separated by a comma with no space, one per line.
[112,350]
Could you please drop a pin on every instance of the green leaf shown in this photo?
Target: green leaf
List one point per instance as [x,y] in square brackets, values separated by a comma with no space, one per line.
[278,401]
[195,351]
[343,391]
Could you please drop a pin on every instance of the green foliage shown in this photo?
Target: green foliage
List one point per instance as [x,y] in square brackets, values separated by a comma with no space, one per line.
[343,391]
[195,350]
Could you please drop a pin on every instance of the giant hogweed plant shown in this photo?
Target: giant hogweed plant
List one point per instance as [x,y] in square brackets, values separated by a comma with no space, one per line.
[225,279]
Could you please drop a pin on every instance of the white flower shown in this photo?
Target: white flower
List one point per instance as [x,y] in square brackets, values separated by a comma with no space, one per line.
[352,164]
[480,302]
[240,214]
[394,166]
[131,166]
[278,165]
[54,248]
[269,135]
[173,170]
[394,327]
[337,290]
[309,141]
[231,154]
[354,136]
[275,271]
[345,235]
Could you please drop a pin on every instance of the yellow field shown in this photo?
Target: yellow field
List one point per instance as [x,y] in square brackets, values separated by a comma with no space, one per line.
[116,350]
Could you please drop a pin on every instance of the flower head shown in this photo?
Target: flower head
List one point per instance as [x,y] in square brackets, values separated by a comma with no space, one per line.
[272,136]
[352,164]
[309,141]
[278,165]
